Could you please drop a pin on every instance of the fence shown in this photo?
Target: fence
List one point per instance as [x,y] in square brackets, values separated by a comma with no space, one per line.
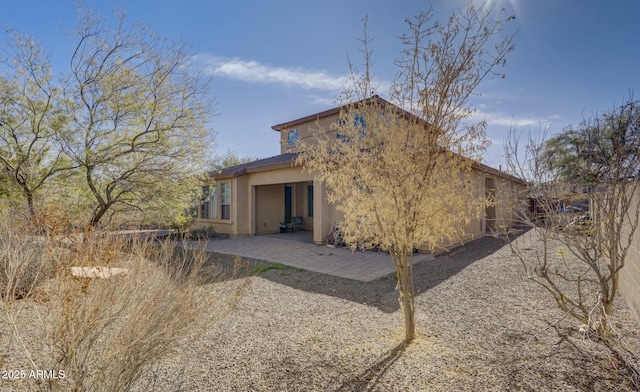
[630,274]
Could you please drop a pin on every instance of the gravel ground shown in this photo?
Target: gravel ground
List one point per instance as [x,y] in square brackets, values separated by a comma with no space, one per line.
[481,326]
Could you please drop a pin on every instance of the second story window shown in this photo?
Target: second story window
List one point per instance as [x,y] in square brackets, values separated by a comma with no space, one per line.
[358,123]
[292,137]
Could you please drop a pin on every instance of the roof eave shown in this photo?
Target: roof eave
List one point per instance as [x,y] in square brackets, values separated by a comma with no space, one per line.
[488,169]
[319,115]
[222,175]
[282,165]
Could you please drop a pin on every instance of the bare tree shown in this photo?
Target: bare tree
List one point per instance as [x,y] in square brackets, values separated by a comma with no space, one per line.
[401,173]
[30,115]
[584,203]
[139,119]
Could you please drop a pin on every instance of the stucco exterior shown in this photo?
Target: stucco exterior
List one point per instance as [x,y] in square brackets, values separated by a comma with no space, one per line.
[259,190]
[305,128]
[630,274]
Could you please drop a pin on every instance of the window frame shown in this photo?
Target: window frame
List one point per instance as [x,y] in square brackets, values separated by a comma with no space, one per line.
[225,213]
[310,200]
[205,205]
[212,207]
[293,136]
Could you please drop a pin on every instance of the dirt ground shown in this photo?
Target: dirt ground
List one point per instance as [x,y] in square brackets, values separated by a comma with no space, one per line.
[481,326]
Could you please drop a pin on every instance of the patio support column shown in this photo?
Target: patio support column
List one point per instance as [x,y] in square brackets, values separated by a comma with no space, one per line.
[252,210]
[319,211]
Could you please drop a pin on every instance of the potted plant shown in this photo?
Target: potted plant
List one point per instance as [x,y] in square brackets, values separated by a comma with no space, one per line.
[283,226]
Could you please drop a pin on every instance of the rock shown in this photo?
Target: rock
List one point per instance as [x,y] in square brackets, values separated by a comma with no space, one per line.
[97,272]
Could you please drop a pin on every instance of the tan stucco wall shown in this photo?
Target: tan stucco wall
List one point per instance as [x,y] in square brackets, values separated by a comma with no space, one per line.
[242,198]
[278,176]
[325,215]
[269,208]
[258,205]
[305,132]
[506,194]
[630,274]
[508,198]
[268,187]
[476,226]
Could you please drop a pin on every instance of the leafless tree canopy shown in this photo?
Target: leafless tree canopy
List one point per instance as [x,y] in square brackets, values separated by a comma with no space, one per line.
[583,200]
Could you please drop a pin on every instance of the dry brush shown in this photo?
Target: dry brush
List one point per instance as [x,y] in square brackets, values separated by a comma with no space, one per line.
[103,333]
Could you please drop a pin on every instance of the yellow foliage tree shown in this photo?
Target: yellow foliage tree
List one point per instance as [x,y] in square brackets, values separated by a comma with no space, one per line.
[401,172]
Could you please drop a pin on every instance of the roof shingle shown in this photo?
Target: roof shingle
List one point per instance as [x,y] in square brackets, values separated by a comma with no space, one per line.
[241,169]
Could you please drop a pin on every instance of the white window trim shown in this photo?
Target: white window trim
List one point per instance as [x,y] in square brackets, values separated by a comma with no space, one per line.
[228,203]
[292,141]
[214,203]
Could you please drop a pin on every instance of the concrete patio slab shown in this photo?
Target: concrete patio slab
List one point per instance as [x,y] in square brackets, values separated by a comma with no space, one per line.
[298,250]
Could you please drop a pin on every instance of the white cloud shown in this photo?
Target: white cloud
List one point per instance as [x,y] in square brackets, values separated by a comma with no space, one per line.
[324,101]
[255,72]
[503,120]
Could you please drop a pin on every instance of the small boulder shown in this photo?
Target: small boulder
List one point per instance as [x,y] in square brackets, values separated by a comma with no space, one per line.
[97,272]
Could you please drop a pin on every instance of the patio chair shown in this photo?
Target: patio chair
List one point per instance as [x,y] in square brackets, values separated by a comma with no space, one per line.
[297,223]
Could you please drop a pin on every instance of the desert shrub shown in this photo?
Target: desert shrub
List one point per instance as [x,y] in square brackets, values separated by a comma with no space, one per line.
[106,333]
[201,234]
[23,261]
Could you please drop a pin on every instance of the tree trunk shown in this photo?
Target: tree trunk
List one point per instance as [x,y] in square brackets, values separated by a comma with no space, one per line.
[608,303]
[409,322]
[404,269]
[30,203]
[97,215]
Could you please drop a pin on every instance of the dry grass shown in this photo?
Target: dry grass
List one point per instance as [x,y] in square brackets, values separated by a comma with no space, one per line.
[23,262]
[103,334]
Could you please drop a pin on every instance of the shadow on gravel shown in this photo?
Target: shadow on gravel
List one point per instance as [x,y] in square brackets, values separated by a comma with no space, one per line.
[369,379]
[381,292]
[567,363]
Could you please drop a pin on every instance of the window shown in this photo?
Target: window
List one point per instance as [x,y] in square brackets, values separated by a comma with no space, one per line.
[208,208]
[358,123]
[310,201]
[342,137]
[205,207]
[225,201]
[292,137]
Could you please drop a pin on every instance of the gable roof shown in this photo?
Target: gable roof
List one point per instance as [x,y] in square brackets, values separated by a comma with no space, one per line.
[498,173]
[326,113]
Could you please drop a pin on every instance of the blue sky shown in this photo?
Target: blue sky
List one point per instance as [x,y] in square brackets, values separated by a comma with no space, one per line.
[275,61]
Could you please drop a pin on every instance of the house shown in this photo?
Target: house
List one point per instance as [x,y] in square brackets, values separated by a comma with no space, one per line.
[254,197]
